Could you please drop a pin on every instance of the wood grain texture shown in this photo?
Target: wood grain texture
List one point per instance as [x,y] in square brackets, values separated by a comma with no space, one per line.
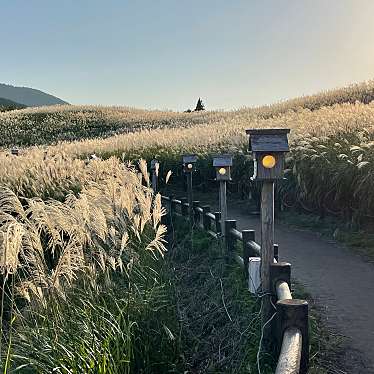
[223,204]
[190,196]
[267,255]
[290,355]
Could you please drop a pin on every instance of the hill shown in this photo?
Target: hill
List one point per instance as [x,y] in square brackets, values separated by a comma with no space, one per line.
[330,169]
[6,105]
[28,96]
[48,125]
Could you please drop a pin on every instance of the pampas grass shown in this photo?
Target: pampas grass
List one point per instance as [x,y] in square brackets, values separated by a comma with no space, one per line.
[63,259]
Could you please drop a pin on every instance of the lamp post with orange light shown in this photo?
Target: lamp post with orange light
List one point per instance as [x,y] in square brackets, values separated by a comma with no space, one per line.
[268,147]
[189,162]
[223,165]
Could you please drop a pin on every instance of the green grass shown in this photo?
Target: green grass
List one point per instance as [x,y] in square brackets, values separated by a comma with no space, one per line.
[219,318]
[121,323]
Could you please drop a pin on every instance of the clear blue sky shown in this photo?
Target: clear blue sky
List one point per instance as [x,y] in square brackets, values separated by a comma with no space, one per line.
[166,53]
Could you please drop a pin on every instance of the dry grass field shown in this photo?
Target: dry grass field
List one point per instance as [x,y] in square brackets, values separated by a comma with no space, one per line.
[329,168]
[70,227]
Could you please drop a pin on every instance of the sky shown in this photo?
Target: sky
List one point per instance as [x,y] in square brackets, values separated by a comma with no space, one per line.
[165,54]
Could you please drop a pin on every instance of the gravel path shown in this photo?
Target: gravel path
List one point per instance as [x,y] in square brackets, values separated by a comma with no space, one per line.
[340,282]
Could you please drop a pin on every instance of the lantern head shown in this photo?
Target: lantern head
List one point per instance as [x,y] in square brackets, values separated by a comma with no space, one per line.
[222,164]
[268,148]
[189,162]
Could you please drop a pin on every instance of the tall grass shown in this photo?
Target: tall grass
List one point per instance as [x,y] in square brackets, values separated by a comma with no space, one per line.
[329,167]
[82,282]
[46,125]
[52,124]
[81,242]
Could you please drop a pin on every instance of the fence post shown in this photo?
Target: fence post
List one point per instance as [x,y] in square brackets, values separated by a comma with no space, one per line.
[276,252]
[230,240]
[190,197]
[223,203]
[267,255]
[248,235]
[184,207]
[293,313]
[280,271]
[217,216]
[196,214]
[206,220]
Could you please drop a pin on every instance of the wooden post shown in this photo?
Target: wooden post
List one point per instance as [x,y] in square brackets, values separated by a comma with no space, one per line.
[223,204]
[154,181]
[217,215]
[280,271]
[230,240]
[293,313]
[190,196]
[267,256]
[248,235]
[206,220]
[184,207]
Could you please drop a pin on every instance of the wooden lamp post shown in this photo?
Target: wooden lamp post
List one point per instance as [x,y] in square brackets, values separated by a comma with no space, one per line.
[223,164]
[189,162]
[268,148]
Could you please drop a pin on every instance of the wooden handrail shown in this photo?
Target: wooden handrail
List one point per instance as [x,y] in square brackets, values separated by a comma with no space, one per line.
[236,234]
[198,209]
[255,247]
[291,358]
[290,354]
[211,216]
[283,290]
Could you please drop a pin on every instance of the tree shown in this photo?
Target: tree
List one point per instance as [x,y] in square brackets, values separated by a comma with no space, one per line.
[199,105]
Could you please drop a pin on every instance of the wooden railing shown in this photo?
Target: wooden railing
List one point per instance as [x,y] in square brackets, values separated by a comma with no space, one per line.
[290,330]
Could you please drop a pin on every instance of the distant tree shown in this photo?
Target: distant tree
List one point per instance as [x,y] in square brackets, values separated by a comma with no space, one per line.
[199,105]
[188,110]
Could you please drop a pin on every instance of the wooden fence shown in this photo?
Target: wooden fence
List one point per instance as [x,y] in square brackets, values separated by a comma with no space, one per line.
[290,328]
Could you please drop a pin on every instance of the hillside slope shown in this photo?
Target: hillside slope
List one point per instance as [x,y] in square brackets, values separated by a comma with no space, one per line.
[330,169]
[28,96]
[38,126]
[47,125]
[6,105]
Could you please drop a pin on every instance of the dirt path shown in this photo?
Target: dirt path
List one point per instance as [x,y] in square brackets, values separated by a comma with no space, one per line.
[341,283]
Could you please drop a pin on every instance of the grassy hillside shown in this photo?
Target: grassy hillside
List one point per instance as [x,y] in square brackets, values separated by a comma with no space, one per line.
[48,125]
[329,170]
[330,167]
[6,105]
